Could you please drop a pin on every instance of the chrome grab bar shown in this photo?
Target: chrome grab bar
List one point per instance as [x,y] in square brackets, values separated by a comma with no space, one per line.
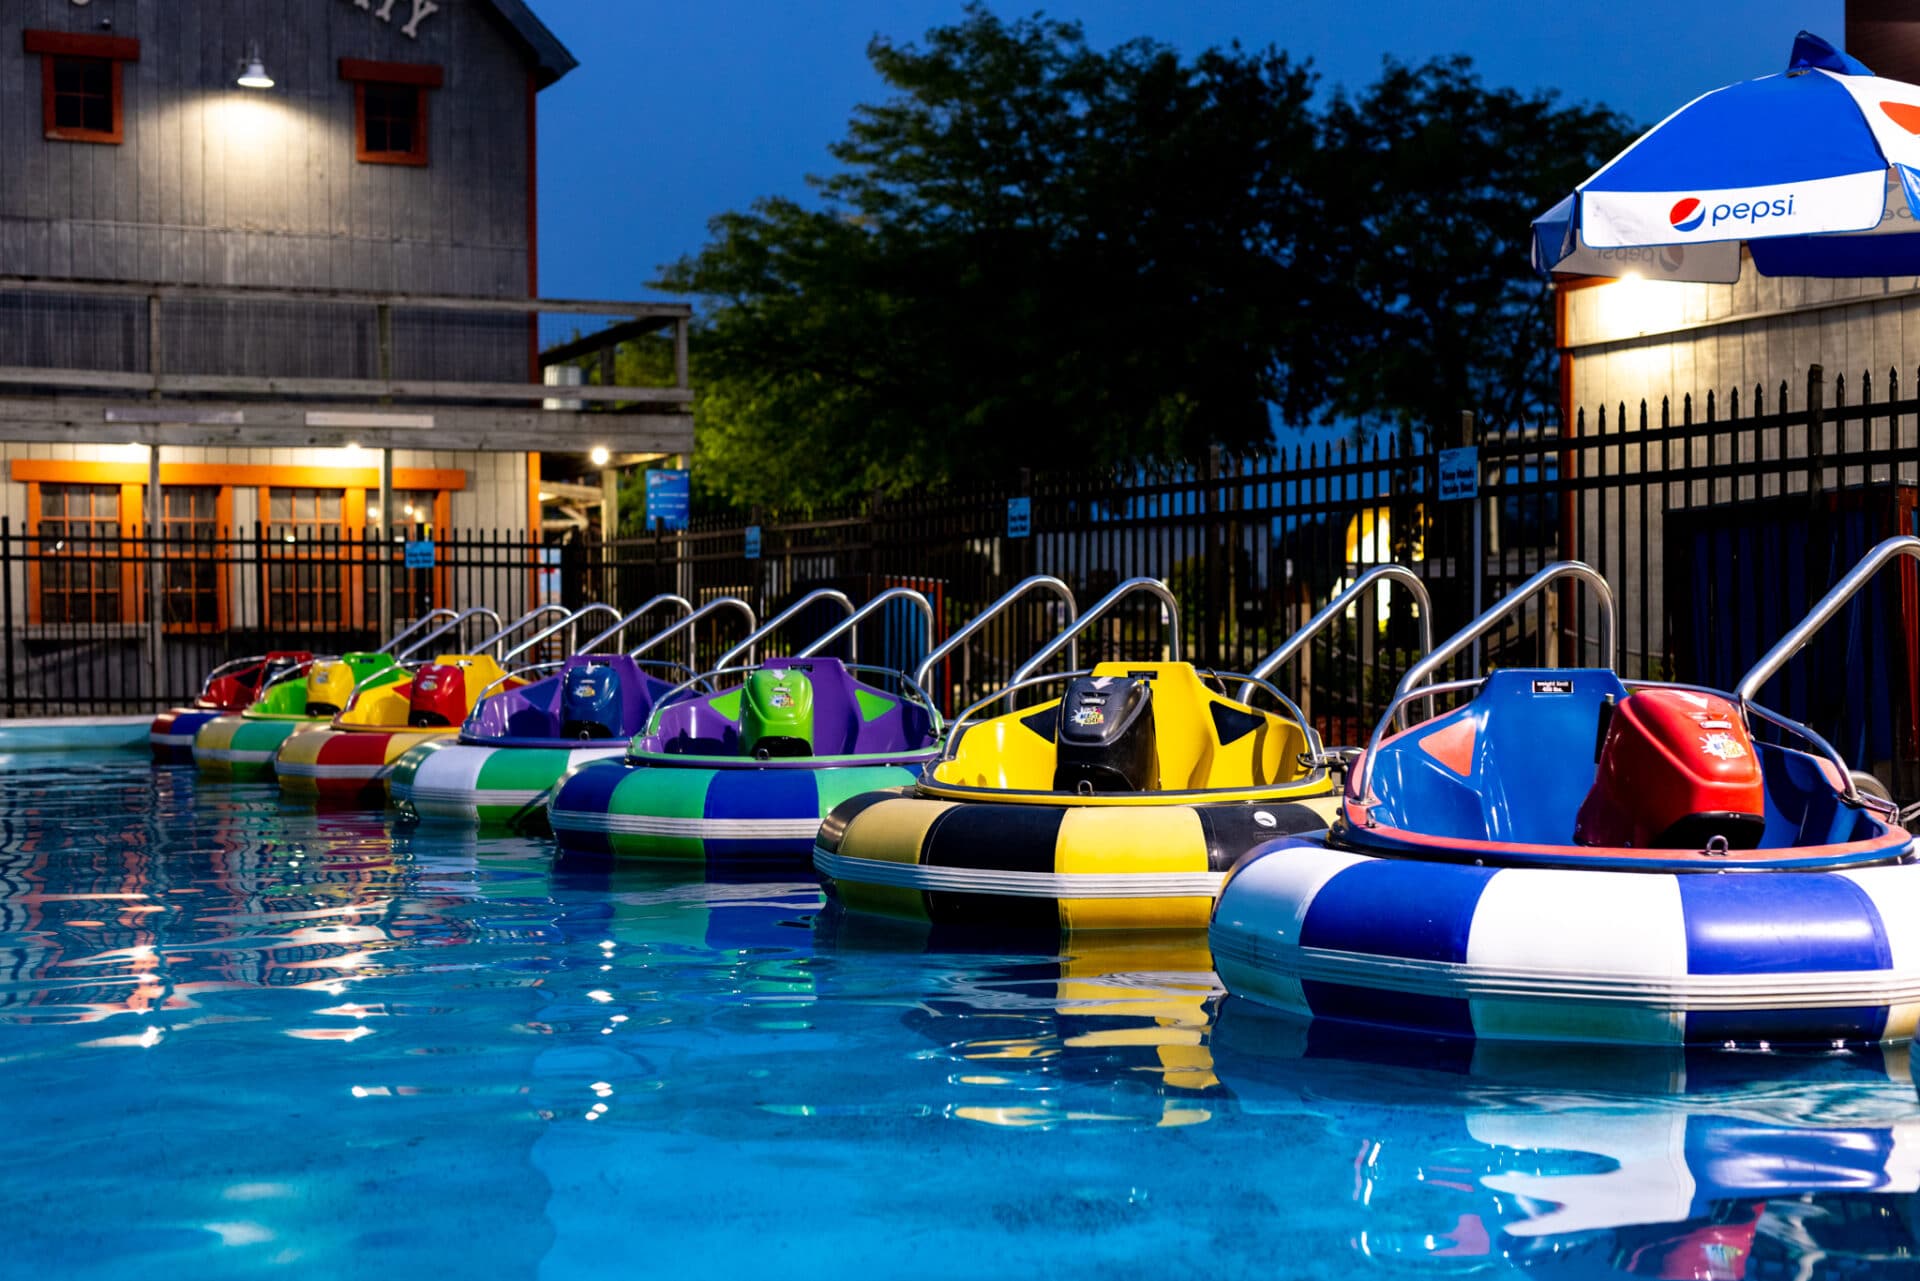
[231,665]
[569,624]
[1151,586]
[686,624]
[1472,632]
[1748,690]
[1338,606]
[1822,613]
[852,621]
[425,620]
[521,673]
[986,615]
[634,616]
[1506,605]
[494,641]
[298,672]
[1247,680]
[518,673]
[450,625]
[774,624]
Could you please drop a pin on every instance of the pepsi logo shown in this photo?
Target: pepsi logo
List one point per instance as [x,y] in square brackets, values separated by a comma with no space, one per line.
[1904,114]
[1672,258]
[1687,214]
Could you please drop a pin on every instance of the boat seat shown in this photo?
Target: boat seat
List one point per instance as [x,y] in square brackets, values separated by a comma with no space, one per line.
[1207,741]
[1513,765]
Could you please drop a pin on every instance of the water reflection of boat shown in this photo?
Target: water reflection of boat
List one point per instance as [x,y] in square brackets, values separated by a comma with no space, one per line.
[1655,1161]
[1113,1028]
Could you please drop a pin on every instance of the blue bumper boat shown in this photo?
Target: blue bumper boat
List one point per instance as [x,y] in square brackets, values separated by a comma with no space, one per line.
[1568,856]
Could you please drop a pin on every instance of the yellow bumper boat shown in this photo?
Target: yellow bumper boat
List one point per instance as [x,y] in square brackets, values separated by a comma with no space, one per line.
[1118,805]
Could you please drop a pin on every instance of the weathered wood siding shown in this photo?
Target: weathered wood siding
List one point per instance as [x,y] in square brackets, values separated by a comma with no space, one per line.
[221,185]
[1701,338]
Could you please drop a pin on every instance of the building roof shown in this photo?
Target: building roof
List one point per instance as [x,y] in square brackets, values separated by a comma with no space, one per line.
[550,58]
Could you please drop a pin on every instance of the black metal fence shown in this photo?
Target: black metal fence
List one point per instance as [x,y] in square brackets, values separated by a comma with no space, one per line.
[1716,524]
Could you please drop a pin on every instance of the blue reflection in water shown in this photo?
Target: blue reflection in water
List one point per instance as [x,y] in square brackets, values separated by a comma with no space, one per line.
[238,1036]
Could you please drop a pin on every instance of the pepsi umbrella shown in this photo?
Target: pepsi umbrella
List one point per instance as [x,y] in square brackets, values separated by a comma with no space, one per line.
[1816,171]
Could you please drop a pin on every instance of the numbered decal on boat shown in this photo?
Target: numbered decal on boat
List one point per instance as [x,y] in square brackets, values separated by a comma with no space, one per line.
[1553,687]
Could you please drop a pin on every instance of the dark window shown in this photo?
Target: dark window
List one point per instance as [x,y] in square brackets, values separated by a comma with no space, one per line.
[393,119]
[82,95]
[189,523]
[305,582]
[390,109]
[80,83]
[393,124]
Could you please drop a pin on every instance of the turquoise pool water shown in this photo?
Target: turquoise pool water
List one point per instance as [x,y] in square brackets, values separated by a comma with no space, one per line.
[239,1037]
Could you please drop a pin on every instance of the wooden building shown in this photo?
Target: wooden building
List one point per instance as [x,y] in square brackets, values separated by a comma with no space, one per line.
[273,264]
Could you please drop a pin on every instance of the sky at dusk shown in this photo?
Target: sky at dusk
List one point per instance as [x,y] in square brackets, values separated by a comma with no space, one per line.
[682,109]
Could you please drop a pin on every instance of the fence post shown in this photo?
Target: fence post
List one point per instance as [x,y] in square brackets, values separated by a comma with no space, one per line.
[1025,547]
[1816,427]
[1470,542]
[156,586]
[6,601]
[1212,634]
[385,574]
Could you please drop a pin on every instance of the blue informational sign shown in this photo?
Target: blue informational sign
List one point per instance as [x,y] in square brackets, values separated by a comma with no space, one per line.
[669,498]
[419,553]
[753,542]
[1019,517]
[1459,473]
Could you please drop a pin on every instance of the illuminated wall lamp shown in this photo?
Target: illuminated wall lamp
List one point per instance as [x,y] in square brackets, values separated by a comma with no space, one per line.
[253,71]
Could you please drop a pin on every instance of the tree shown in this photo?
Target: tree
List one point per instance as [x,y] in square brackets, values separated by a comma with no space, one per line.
[1037,254]
[1427,181]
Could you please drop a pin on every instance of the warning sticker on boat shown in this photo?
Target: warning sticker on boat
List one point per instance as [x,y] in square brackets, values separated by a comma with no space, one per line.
[1553,687]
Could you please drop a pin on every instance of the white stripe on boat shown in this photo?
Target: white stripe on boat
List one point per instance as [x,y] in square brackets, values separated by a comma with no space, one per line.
[728,829]
[986,880]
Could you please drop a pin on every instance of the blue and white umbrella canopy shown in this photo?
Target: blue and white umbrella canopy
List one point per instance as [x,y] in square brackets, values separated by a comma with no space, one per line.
[1816,171]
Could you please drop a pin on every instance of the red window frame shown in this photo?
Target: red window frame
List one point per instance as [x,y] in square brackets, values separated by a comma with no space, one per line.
[54,47]
[385,77]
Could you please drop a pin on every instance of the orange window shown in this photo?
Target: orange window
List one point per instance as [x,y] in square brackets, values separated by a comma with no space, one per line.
[306,557]
[78,554]
[193,586]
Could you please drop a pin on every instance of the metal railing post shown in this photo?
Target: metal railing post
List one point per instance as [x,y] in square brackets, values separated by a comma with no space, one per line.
[1338,606]
[6,601]
[998,607]
[1151,586]
[777,621]
[156,585]
[386,539]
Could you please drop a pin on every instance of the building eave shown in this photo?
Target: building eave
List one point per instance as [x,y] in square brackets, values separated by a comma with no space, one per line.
[551,59]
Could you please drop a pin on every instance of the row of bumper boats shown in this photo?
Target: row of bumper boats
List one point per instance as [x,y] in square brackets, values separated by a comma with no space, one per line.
[1560,855]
